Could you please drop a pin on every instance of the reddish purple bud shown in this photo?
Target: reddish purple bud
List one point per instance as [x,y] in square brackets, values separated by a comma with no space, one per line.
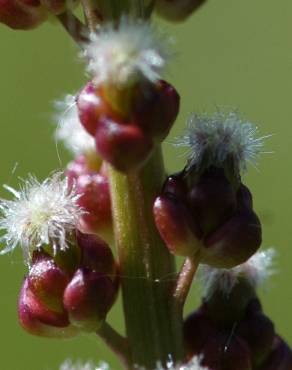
[48,281]
[155,108]
[177,10]
[235,242]
[280,357]
[225,351]
[197,331]
[212,200]
[258,332]
[88,298]
[124,146]
[175,226]
[96,255]
[228,308]
[22,15]
[91,107]
[30,306]
[95,201]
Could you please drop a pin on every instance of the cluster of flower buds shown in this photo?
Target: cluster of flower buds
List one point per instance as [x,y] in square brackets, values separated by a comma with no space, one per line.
[177,10]
[230,327]
[73,279]
[86,173]
[126,107]
[206,210]
[28,14]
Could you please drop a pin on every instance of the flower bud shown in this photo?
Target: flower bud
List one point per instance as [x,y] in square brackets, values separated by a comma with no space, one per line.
[155,108]
[88,298]
[177,10]
[175,226]
[224,350]
[37,319]
[124,146]
[224,308]
[22,15]
[95,201]
[258,332]
[47,281]
[280,357]
[96,255]
[91,107]
[197,331]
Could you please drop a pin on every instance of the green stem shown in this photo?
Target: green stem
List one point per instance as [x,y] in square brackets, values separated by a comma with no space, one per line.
[147,268]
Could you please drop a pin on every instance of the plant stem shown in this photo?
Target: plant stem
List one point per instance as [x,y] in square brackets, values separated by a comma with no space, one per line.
[184,281]
[118,344]
[89,14]
[147,268]
[76,29]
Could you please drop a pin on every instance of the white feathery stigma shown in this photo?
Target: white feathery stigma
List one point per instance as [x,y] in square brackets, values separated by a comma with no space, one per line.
[122,55]
[70,129]
[69,365]
[193,364]
[214,138]
[256,270]
[40,213]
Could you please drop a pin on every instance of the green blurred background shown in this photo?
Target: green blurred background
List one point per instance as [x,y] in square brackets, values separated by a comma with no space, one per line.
[231,53]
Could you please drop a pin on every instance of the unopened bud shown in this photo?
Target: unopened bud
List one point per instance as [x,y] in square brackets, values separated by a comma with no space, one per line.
[125,146]
[20,14]
[91,107]
[223,351]
[48,281]
[37,319]
[155,108]
[96,255]
[88,298]
[280,357]
[258,331]
[177,10]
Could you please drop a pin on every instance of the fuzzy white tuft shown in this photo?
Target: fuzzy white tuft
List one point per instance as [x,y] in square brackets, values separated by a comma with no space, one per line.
[70,129]
[193,364]
[41,213]
[69,365]
[256,270]
[122,55]
[220,136]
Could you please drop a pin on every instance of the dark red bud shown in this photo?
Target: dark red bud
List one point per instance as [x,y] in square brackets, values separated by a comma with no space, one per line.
[225,351]
[88,298]
[212,200]
[228,308]
[91,107]
[47,281]
[175,226]
[22,15]
[95,201]
[124,146]
[96,255]
[177,10]
[280,357]
[234,242]
[155,108]
[29,303]
[197,330]
[258,331]
[175,186]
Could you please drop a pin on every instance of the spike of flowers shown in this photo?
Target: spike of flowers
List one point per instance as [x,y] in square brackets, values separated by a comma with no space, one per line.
[70,130]
[217,137]
[123,55]
[41,213]
[256,270]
